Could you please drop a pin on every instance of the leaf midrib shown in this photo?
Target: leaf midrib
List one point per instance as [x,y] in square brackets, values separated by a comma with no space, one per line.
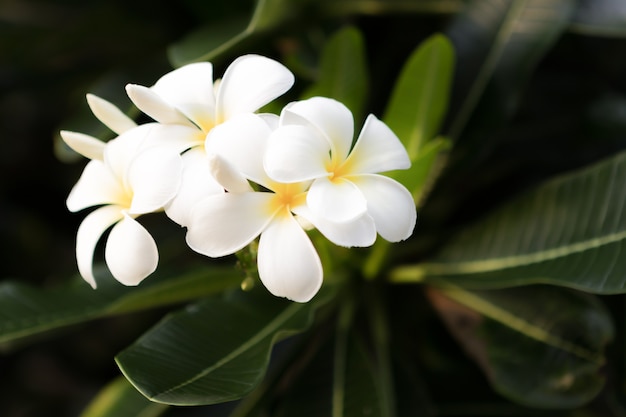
[507,262]
[264,332]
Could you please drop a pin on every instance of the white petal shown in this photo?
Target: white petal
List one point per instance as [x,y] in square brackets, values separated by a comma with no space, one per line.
[360,232]
[377,149]
[154,106]
[154,177]
[109,114]
[227,175]
[250,82]
[190,89]
[85,145]
[296,153]
[196,184]
[336,201]
[223,224]
[119,152]
[177,137]
[241,141]
[89,233]
[97,185]
[131,253]
[288,263]
[390,204]
[331,117]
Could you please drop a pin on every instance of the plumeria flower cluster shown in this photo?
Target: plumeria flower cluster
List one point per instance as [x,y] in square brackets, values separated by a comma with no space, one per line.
[231,175]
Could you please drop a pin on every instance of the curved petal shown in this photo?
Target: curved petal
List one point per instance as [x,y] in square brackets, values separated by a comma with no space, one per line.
[119,152]
[250,82]
[296,153]
[88,235]
[196,184]
[109,114]
[228,176]
[223,224]
[97,185]
[154,177]
[336,201]
[241,141]
[179,138]
[190,89]
[360,232]
[390,204]
[331,117]
[377,149]
[288,263]
[154,106]
[85,145]
[130,253]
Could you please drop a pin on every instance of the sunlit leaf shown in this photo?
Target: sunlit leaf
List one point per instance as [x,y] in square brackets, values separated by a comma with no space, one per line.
[121,399]
[570,231]
[214,351]
[28,310]
[422,173]
[539,346]
[343,71]
[420,97]
[498,44]
[600,18]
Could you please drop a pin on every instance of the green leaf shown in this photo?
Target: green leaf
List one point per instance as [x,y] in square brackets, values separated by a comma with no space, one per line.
[217,38]
[570,231]
[420,96]
[343,71]
[28,310]
[424,169]
[498,44]
[120,399]
[600,18]
[380,7]
[339,379]
[539,346]
[214,351]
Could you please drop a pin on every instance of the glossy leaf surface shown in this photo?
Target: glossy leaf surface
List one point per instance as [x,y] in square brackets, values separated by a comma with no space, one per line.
[214,351]
[539,346]
[570,231]
[28,310]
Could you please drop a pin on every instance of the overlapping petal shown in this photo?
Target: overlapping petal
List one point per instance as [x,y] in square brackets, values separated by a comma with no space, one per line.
[223,224]
[360,232]
[154,175]
[97,185]
[241,141]
[377,149]
[390,204]
[190,90]
[155,106]
[228,176]
[130,253]
[333,119]
[89,233]
[196,183]
[250,82]
[337,201]
[108,113]
[296,153]
[289,265]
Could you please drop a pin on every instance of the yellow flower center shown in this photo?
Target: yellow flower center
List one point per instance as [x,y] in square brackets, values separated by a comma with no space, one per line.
[285,197]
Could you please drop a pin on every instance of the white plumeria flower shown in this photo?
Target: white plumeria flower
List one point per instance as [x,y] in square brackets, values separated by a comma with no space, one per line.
[127,176]
[288,263]
[313,143]
[189,98]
